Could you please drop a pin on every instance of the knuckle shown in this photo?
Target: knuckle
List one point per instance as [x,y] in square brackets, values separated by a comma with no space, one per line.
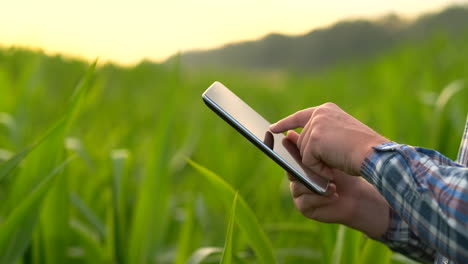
[316,133]
[321,110]
[330,104]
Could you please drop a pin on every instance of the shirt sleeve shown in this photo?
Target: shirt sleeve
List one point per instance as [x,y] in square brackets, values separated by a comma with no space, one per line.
[400,238]
[428,194]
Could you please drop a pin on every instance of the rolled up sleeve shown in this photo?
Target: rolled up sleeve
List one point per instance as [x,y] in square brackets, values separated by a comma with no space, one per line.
[428,194]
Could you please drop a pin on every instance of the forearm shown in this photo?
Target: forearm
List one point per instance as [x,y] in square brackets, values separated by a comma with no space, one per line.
[428,191]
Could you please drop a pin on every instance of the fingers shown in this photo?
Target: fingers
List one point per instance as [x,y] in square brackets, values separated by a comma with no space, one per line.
[310,202]
[304,138]
[291,177]
[296,120]
[298,188]
[293,136]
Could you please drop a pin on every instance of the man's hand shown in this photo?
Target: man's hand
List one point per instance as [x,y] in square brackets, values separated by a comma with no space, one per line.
[356,204]
[350,201]
[331,139]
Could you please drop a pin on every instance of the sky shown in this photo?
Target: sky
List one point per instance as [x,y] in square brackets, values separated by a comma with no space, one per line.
[126,32]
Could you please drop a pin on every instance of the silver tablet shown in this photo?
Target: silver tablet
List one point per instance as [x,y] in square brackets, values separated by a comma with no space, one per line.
[256,129]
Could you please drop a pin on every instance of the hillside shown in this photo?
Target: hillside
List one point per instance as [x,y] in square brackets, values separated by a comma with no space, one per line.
[321,48]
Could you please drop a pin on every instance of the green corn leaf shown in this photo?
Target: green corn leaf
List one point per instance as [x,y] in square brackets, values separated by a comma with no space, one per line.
[246,219]
[119,195]
[347,247]
[16,231]
[439,121]
[80,90]
[183,243]
[227,251]
[202,253]
[89,215]
[352,246]
[339,244]
[152,207]
[88,240]
[151,213]
[8,166]
[327,233]
[375,252]
[55,213]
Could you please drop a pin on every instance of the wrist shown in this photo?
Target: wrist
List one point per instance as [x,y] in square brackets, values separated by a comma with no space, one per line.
[364,150]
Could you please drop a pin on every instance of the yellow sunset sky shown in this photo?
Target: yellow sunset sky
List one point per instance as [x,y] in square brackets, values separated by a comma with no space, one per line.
[128,31]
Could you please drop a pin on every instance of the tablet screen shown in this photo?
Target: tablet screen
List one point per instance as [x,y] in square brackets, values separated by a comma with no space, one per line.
[253,126]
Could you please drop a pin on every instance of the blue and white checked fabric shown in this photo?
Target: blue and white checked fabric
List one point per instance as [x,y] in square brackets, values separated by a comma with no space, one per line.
[428,194]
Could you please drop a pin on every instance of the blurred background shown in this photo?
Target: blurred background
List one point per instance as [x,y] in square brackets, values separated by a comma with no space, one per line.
[123,163]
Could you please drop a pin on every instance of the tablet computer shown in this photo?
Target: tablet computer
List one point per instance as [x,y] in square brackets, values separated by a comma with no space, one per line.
[256,129]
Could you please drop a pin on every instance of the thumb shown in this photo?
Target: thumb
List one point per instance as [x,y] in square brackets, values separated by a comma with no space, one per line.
[319,168]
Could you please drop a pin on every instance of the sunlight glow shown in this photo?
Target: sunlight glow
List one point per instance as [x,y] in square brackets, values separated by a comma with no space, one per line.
[128,31]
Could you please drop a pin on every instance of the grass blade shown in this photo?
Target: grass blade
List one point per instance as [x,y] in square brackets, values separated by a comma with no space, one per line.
[246,218]
[119,196]
[327,233]
[184,240]
[89,215]
[439,122]
[80,90]
[55,213]
[8,166]
[16,231]
[338,250]
[89,241]
[374,251]
[352,246]
[202,253]
[348,245]
[152,208]
[227,251]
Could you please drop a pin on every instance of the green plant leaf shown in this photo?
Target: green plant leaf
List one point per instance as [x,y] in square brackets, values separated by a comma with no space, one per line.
[246,218]
[339,244]
[183,243]
[348,245]
[227,251]
[202,253]
[8,166]
[373,252]
[151,213]
[89,215]
[55,213]
[119,195]
[16,231]
[439,121]
[88,240]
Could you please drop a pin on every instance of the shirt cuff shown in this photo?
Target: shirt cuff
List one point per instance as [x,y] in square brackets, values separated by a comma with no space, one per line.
[376,159]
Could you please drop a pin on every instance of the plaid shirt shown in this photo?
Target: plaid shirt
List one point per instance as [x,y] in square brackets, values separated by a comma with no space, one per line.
[428,196]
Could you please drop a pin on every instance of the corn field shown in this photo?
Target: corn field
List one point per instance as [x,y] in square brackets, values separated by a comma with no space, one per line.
[108,164]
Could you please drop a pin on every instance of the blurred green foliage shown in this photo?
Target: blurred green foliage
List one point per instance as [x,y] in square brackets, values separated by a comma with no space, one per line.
[129,195]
